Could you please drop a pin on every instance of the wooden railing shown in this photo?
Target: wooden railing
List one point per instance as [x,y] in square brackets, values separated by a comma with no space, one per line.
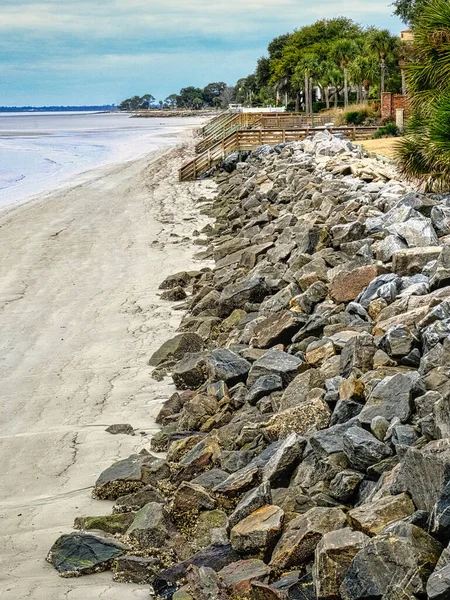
[250,139]
[223,128]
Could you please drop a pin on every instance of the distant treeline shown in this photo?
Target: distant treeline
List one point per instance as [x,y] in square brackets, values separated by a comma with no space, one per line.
[217,95]
[6,109]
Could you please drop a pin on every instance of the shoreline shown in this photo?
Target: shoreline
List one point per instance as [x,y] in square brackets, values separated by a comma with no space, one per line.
[81,315]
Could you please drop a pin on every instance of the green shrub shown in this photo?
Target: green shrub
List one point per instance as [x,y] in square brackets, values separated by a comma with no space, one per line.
[355,117]
[389,130]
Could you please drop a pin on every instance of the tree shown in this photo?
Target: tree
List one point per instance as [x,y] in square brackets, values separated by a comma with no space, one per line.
[384,46]
[189,95]
[363,72]
[213,90]
[345,51]
[172,101]
[276,46]
[145,101]
[408,10]
[425,152]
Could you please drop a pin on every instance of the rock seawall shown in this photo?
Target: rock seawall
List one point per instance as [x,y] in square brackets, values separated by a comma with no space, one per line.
[308,444]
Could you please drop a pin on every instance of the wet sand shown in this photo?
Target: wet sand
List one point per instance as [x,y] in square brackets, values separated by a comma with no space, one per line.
[80,315]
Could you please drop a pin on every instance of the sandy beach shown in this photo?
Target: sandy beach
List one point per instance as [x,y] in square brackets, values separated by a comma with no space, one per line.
[79,317]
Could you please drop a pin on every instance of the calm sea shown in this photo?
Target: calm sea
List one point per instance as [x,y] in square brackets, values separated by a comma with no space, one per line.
[41,151]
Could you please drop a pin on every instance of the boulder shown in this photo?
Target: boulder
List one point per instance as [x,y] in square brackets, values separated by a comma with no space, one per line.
[372,518]
[275,362]
[264,386]
[333,556]
[306,418]
[176,348]
[134,569]
[256,498]
[225,365]
[302,534]
[391,398]
[151,526]
[412,260]
[358,354]
[320,351]
[190,498]
[215,557]
[398,341]
[189,373]
[276,329]
[181,279]
[258,533]
[440,274]
[123,477]
[239,575]
[345,485]
[239,294]
[297,391]
[347,285]
[425,472]
[438,585]
[363,449]
[202,457]
[417,232]
[402,553]
[282,464]
[115,523]
[135,501]
[82,553]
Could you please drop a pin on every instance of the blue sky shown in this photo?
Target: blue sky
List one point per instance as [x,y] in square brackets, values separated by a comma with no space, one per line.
[102,51]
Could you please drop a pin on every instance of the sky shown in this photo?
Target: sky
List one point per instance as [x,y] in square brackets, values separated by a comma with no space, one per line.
[75,52]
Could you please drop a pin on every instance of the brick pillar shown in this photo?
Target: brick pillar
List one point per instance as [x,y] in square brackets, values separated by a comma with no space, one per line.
[386,105]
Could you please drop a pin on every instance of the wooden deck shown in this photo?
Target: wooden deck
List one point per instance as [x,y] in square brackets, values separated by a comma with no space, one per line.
[250,139]
[227,123]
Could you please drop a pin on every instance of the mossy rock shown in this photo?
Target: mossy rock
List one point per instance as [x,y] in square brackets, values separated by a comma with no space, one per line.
[117,523]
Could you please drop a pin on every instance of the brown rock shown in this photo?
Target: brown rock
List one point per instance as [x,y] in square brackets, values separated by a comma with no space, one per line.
[258,532]
[277,329]
[333,556]
[302,535]
[240,575]
[308,417]
[372,518]
[346,286]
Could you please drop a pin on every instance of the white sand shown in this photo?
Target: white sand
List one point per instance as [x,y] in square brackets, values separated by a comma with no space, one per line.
[79,317]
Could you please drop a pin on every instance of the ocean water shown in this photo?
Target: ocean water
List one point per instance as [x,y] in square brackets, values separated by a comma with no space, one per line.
[42,151]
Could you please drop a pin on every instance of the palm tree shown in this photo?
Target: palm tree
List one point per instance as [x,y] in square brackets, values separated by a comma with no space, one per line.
[345,51]
[362,73]
[405,58]
[383,45]
[425,152]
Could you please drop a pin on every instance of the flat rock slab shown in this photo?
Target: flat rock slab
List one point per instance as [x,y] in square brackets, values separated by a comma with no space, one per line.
[302,535]
[259,531]
[84,553]
[372,518]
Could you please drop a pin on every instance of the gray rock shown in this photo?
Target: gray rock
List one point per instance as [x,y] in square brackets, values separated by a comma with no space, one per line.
[256,498]
[123,477]
[82,553]
[376,289]
[345,485]
[416,232]
[389,247]
[275,362]
[347,233]
[333,556]
[134,502]
[224,365]
[282,464]
[440,273]
[264,386]
[391,398]
[344,411]
[413,260]
[239,294]
[135,569]
[438,585]
[120,428]
[151,526]
[440,218]
[176,348]
[363,449]
[425,472]
[402,553]
[331,440]
[398,341]
[358,354]
[189,373]
[302,535]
